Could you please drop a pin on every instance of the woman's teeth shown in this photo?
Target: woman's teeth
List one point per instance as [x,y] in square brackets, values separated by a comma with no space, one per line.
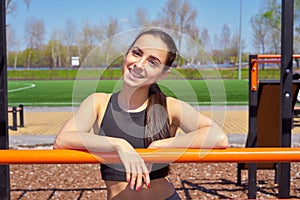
[135,75]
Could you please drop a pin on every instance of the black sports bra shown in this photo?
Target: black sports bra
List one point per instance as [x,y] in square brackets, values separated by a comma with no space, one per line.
[131,127]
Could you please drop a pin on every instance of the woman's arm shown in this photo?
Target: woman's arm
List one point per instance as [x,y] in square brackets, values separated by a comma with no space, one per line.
[75,134]
[201,131]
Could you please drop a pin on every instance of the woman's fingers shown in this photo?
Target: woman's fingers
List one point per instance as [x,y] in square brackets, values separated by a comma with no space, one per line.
[139,178]
[128,171]
[146,176]
[133,176]
[135,167]
[139,171]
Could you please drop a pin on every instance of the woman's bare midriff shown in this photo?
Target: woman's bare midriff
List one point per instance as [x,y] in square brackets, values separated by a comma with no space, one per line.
[160,188]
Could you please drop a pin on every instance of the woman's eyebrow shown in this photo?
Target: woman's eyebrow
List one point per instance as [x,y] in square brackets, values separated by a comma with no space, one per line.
[138,49]
[151,56]
[155,58]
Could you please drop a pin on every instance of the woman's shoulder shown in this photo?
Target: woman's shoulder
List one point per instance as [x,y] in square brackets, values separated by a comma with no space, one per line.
[171,101]
[172,105]
[101,95]
[177,106]
[98,98]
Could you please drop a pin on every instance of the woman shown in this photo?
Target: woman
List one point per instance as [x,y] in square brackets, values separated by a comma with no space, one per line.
[139,116]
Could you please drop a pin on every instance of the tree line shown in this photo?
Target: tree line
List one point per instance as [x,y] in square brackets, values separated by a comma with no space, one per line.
[177,15]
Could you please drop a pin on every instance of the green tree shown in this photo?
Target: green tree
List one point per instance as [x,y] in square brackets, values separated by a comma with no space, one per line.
[266,26]
[34,35]
[112,28]
[273,17]
[13,42]
[260,29]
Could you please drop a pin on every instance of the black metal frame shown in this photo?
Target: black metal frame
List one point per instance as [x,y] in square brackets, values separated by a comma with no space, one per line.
[286,114]
[263,113]
[251,140]
[286,73]
[4,144]
[252,129]
[14,110]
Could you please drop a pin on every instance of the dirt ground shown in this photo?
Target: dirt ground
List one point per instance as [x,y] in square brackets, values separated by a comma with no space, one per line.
[191,180]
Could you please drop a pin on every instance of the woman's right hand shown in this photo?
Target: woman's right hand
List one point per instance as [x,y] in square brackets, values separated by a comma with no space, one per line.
[136,168]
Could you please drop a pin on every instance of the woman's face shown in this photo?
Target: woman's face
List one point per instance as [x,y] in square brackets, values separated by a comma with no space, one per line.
[144,62]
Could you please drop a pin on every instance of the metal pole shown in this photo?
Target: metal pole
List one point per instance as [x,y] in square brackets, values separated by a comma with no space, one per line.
[163,155]
[286,114]
[252,128]
[240,42]
[4,169]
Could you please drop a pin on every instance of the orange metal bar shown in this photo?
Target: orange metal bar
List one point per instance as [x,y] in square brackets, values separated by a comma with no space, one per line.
[254,75]
[153,155]
[263,58]
[267,60]
[266,56]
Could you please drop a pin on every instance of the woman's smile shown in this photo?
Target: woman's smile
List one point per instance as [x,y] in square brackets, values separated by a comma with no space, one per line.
[134,74]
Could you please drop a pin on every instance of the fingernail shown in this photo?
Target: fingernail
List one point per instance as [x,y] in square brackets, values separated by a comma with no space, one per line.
[148,185]
[138,189]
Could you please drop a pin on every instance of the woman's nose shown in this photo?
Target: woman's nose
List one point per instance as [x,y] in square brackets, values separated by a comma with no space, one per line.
[140,63]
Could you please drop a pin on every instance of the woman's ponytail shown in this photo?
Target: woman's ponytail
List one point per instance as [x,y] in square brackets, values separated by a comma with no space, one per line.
[157,118]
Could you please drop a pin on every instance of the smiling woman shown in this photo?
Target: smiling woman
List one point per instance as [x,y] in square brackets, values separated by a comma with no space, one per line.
[139,115]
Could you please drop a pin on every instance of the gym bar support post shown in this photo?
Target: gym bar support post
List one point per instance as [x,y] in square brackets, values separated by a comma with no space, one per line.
[252,127]
[4,142]
[286,73]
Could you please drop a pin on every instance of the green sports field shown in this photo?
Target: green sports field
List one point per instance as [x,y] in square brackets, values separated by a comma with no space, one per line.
[68,92]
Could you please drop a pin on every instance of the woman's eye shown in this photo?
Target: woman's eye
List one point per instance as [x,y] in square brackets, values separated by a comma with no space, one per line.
[136,53]
[153,62]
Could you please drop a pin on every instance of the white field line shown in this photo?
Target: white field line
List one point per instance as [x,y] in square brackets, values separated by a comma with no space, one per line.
[22,88]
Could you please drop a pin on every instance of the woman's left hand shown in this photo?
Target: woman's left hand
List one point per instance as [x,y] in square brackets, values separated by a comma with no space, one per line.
[136,168]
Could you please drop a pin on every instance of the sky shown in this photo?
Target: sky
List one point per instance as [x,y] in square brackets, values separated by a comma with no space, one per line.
[212,14]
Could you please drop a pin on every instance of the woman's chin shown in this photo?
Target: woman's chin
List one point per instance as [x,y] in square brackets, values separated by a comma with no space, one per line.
[136,83]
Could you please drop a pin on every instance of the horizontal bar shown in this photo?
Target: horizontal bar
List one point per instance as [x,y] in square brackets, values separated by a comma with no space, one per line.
[166,155]
[267,60]
[266,56]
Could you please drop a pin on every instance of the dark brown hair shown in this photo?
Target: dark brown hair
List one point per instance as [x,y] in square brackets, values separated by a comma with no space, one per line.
[157,119]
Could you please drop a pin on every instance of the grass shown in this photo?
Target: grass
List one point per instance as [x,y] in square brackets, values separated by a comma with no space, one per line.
[109,74]
[67,92]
